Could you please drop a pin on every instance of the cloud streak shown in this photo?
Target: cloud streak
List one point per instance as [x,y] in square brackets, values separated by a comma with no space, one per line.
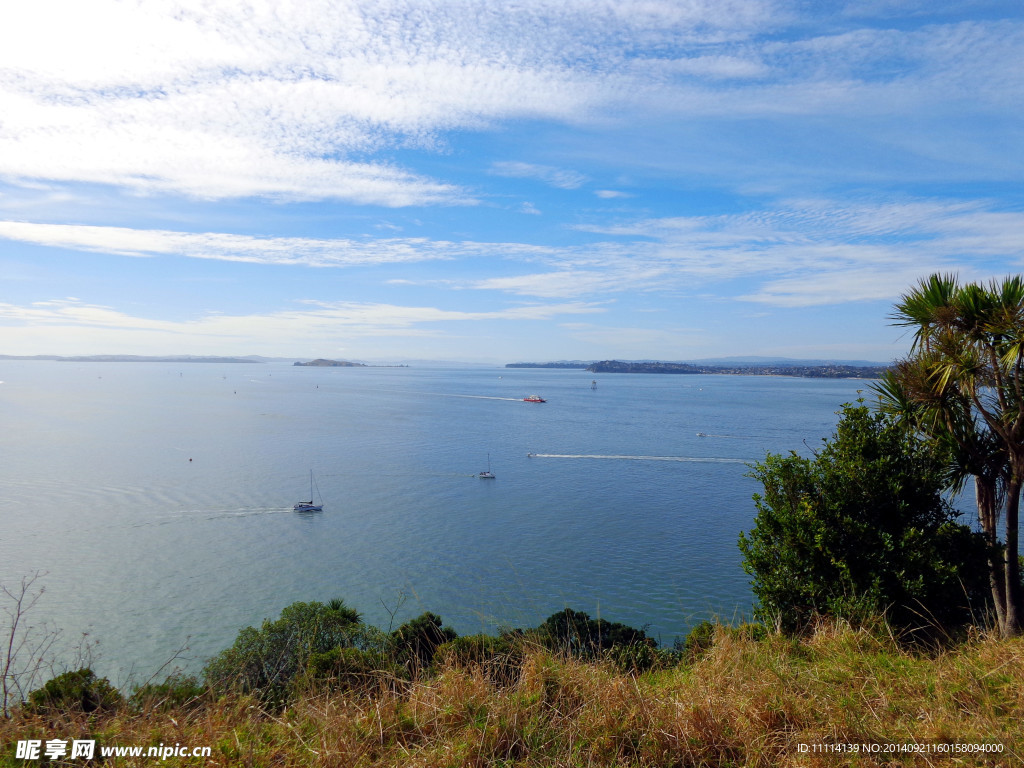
[802,253]
[310,252]
[555,177]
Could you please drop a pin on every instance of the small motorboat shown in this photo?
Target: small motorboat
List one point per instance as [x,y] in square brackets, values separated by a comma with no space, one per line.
[534,399]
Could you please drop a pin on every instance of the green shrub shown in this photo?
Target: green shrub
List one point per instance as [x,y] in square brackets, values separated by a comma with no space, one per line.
[352,668]
[416,641]
[861,530]
[177,691]
[575,633]
[76,691]
[500,658]
[699,641]
[641,657]
[265,661]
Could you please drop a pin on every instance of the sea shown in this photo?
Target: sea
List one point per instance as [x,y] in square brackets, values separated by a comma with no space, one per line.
[154,500]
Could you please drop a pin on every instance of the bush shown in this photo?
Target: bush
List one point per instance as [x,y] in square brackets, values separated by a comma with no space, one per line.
[264,661]
[416,641]
[352,668]
[76,691]
[638,658]
[698,641]
[177,691]
[860,530]
[575,633]
[500,658]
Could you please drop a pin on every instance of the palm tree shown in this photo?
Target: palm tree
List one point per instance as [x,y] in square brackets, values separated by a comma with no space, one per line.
[973,452]
[963,383]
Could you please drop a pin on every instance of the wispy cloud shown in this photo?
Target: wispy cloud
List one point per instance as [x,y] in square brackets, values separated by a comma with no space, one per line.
[246,248]
[556,177]
[803,253]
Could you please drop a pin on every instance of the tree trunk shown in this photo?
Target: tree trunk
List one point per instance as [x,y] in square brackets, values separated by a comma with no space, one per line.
[986,499]
[1011,568]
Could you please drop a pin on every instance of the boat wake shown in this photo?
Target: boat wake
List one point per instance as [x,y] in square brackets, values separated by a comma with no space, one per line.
[486,397]
[697,459]
[190,515]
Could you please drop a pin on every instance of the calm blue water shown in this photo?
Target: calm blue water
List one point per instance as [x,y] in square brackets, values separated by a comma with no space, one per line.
[145,549]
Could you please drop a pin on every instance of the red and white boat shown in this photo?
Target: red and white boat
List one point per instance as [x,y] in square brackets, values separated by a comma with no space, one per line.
[534,399]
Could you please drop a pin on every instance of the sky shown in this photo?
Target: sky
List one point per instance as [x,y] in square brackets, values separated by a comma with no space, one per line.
[500,182]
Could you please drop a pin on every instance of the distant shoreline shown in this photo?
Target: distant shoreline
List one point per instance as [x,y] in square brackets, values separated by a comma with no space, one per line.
[828,371]
[322,363]
[132,359]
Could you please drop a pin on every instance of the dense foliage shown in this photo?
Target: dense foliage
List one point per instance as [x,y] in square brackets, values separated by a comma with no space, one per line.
[416,641]
[76,691]
[862,529]
[576,633]
[316,643]
[268,659]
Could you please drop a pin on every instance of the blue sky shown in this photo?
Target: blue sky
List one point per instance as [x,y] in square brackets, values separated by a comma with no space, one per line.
[494,182]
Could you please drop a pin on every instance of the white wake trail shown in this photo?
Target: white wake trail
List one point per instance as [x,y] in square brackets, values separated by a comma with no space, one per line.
[698,459]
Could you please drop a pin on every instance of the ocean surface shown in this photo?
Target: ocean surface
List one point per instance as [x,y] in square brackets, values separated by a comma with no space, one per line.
[156,497]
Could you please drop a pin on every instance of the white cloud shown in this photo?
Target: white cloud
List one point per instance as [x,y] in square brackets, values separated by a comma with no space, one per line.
[556,177]
[292,101]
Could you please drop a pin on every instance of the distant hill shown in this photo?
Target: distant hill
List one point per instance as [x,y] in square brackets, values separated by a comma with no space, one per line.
[826,371]
[572,364]
[784,361]
[742,361]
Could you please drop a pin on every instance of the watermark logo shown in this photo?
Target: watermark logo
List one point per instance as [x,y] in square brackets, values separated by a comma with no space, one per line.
[52,749]
[85,749]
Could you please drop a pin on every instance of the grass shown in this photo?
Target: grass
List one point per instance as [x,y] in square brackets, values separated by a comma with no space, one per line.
[743,702]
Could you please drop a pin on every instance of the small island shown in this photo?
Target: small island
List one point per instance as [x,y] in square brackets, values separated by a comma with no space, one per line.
[322,363]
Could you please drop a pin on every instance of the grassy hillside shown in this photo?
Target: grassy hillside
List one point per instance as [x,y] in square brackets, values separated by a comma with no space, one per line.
[742,702]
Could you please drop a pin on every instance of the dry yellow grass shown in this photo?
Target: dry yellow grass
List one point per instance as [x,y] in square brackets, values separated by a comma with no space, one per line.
[744,703]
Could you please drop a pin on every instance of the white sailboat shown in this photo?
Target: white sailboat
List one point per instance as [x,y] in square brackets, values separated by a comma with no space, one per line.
[488,475]
[309,506]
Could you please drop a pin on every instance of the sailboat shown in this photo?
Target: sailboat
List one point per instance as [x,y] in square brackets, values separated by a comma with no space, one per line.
[309,506]
[488,475]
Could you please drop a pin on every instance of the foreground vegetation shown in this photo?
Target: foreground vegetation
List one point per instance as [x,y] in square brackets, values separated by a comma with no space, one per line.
[737,701]
[871,597]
